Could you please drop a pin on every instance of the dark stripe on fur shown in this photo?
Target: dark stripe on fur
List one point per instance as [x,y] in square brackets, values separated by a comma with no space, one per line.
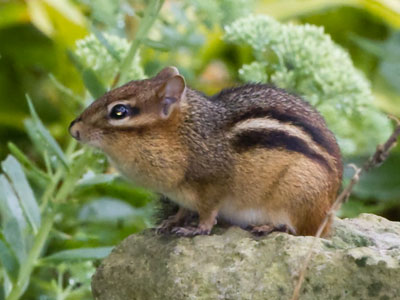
[286,117]
[249,139]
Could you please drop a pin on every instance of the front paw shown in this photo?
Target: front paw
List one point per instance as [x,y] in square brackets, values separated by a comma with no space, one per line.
[191,231]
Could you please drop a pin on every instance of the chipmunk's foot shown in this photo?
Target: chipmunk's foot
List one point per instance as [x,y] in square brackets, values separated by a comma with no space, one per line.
[266,229]
[181,218]
[167,225]
[191,231]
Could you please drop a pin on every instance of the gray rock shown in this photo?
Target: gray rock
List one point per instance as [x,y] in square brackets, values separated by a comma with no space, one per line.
[360,261]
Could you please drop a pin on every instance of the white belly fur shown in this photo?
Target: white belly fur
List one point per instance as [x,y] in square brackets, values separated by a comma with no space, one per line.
[251,216]
[231,213]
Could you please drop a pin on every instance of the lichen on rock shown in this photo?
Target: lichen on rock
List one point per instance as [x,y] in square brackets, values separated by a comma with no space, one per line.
[361,260]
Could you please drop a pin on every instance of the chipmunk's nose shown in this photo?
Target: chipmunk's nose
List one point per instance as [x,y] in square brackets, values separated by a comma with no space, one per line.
[74,128]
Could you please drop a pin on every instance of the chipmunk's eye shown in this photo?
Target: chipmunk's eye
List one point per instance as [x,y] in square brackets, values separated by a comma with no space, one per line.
[120,111]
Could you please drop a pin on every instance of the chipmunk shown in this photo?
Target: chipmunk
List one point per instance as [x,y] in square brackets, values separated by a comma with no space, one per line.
[253,155]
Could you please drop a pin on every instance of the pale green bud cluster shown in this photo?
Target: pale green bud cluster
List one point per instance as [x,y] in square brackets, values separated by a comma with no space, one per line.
[93,54]
[221,11]
[303,59]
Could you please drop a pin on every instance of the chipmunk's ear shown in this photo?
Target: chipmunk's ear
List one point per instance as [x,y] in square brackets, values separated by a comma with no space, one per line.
[171,94]
[167,72]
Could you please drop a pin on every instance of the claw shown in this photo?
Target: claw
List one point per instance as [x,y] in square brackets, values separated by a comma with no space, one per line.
[166,226]
[262,230]
[266,229]
[190,231]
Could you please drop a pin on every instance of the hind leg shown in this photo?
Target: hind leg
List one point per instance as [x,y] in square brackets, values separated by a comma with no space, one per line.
[207,205]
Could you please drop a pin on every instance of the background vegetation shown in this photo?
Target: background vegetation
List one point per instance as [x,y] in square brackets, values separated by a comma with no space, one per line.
[58,217]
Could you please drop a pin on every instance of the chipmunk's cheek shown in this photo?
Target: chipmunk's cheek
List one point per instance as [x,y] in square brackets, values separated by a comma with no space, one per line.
[94,138]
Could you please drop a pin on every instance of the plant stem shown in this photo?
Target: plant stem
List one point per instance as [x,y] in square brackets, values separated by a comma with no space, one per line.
[41,237]
[34,253]
[51,188]
[150,15]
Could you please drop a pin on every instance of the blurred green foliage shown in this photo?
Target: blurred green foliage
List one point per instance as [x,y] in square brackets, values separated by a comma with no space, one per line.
[59,218]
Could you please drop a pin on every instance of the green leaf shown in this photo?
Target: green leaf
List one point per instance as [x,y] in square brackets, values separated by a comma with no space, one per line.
[15,238]
[106,11]
[75,60]
[388,52]
[93,83]
[33,133]
[62,88]
[93,179]
[79,254]
[15,227]
[372,47]
[117,189]
[27,163]
[160,46]
[89,77]
[49,142]
[9,204]
[7,284]
[107,209]
[9,261]
[390,69]
[21,186]
[379,183]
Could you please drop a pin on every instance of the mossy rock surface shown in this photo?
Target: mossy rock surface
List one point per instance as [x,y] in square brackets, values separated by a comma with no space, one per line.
[361,260]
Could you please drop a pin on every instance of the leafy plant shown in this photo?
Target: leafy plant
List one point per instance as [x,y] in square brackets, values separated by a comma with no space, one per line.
[302,59]
[30,213]
[62,207]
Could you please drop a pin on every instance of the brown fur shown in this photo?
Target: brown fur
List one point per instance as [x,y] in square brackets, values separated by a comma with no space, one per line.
[201,152]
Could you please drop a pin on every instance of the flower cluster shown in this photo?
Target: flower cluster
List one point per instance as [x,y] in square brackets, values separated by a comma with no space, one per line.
[303,59]
[93,54]
[221,11]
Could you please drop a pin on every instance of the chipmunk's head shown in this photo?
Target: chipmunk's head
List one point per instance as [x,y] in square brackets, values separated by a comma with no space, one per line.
[130,110]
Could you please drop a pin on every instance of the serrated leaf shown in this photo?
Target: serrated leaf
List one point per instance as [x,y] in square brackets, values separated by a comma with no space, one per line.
[79,254]
[9,261]
[49,142]
[14,171]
